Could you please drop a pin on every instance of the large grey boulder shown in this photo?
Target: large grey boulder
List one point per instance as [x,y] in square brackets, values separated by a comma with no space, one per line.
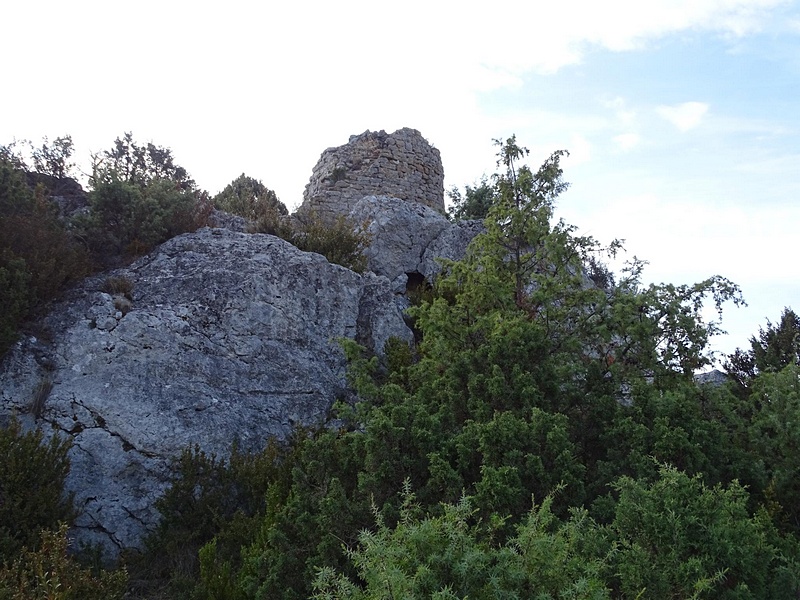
[407,238]
[225,336]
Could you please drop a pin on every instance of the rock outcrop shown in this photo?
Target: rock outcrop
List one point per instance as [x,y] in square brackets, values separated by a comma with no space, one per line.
[401,164]
[221,335]
[407,238]
[224,336]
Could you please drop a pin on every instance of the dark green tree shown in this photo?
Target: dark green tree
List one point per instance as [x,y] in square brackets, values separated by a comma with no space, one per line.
[251,199]
[474,203]
[678,538]
[37,255]
[139,164]
[772,350]
[54,159]
[211,513]
[127,219]
[774,441]
[140,197]
[14,296]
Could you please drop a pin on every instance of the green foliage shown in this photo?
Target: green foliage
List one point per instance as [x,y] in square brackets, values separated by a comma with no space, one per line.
[49,573]
[697,430]
[776,347]
[129,220]
[32,498]
[309,514]
[49,159]
[452,556]
[52,258]
[342,242]
[532,377]
[139,199]
[674,538]
[15,195]
[14,296]
[774,441]
[398,358]
[37,256]
[473,204]
[53,159]
[677,538]
[12,156]
[213,506]
[140,165]
[251,199]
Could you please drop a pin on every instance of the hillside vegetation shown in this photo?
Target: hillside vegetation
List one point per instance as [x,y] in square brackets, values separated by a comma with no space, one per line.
[138,198]
[545,438]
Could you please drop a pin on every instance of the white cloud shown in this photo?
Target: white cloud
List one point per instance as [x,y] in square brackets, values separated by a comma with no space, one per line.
[684,116]
[627,141]
[625,116]
[569,28]
[580,150]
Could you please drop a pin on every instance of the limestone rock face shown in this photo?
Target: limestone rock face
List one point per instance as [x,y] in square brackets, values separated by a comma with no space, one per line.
[401,164]
[224,336]
[407,238]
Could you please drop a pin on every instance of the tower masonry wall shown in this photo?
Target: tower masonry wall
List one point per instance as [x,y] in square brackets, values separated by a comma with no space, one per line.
[401,164]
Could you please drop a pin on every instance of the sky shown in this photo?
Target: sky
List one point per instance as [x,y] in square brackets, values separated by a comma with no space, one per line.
[681,117]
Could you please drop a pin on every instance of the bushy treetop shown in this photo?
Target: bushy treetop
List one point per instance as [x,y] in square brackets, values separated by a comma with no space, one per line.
[249,198]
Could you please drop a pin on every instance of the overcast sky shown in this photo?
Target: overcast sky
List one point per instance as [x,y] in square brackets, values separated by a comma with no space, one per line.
[681,117]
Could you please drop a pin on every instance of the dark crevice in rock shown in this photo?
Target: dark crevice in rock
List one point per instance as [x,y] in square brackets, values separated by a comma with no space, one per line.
[97,527]
[416,282]
[134,516]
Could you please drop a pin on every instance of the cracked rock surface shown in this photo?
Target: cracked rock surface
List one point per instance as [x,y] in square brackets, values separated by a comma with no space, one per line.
[408,237]
[225,336]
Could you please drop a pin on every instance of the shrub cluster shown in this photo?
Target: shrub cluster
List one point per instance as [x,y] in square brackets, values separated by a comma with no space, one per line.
[50,572]
[139,198]
[32,475]
[211,502]
[342,242]
[251,199]
[38,255]
[34,515]
[128,220]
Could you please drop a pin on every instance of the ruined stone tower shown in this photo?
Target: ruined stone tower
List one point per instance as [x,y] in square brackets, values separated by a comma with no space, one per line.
[400,164]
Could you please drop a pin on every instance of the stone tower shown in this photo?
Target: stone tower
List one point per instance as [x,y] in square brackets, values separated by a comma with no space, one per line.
[401,164]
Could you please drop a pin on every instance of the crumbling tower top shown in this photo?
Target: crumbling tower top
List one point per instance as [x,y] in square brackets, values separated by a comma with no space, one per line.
[401,164]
